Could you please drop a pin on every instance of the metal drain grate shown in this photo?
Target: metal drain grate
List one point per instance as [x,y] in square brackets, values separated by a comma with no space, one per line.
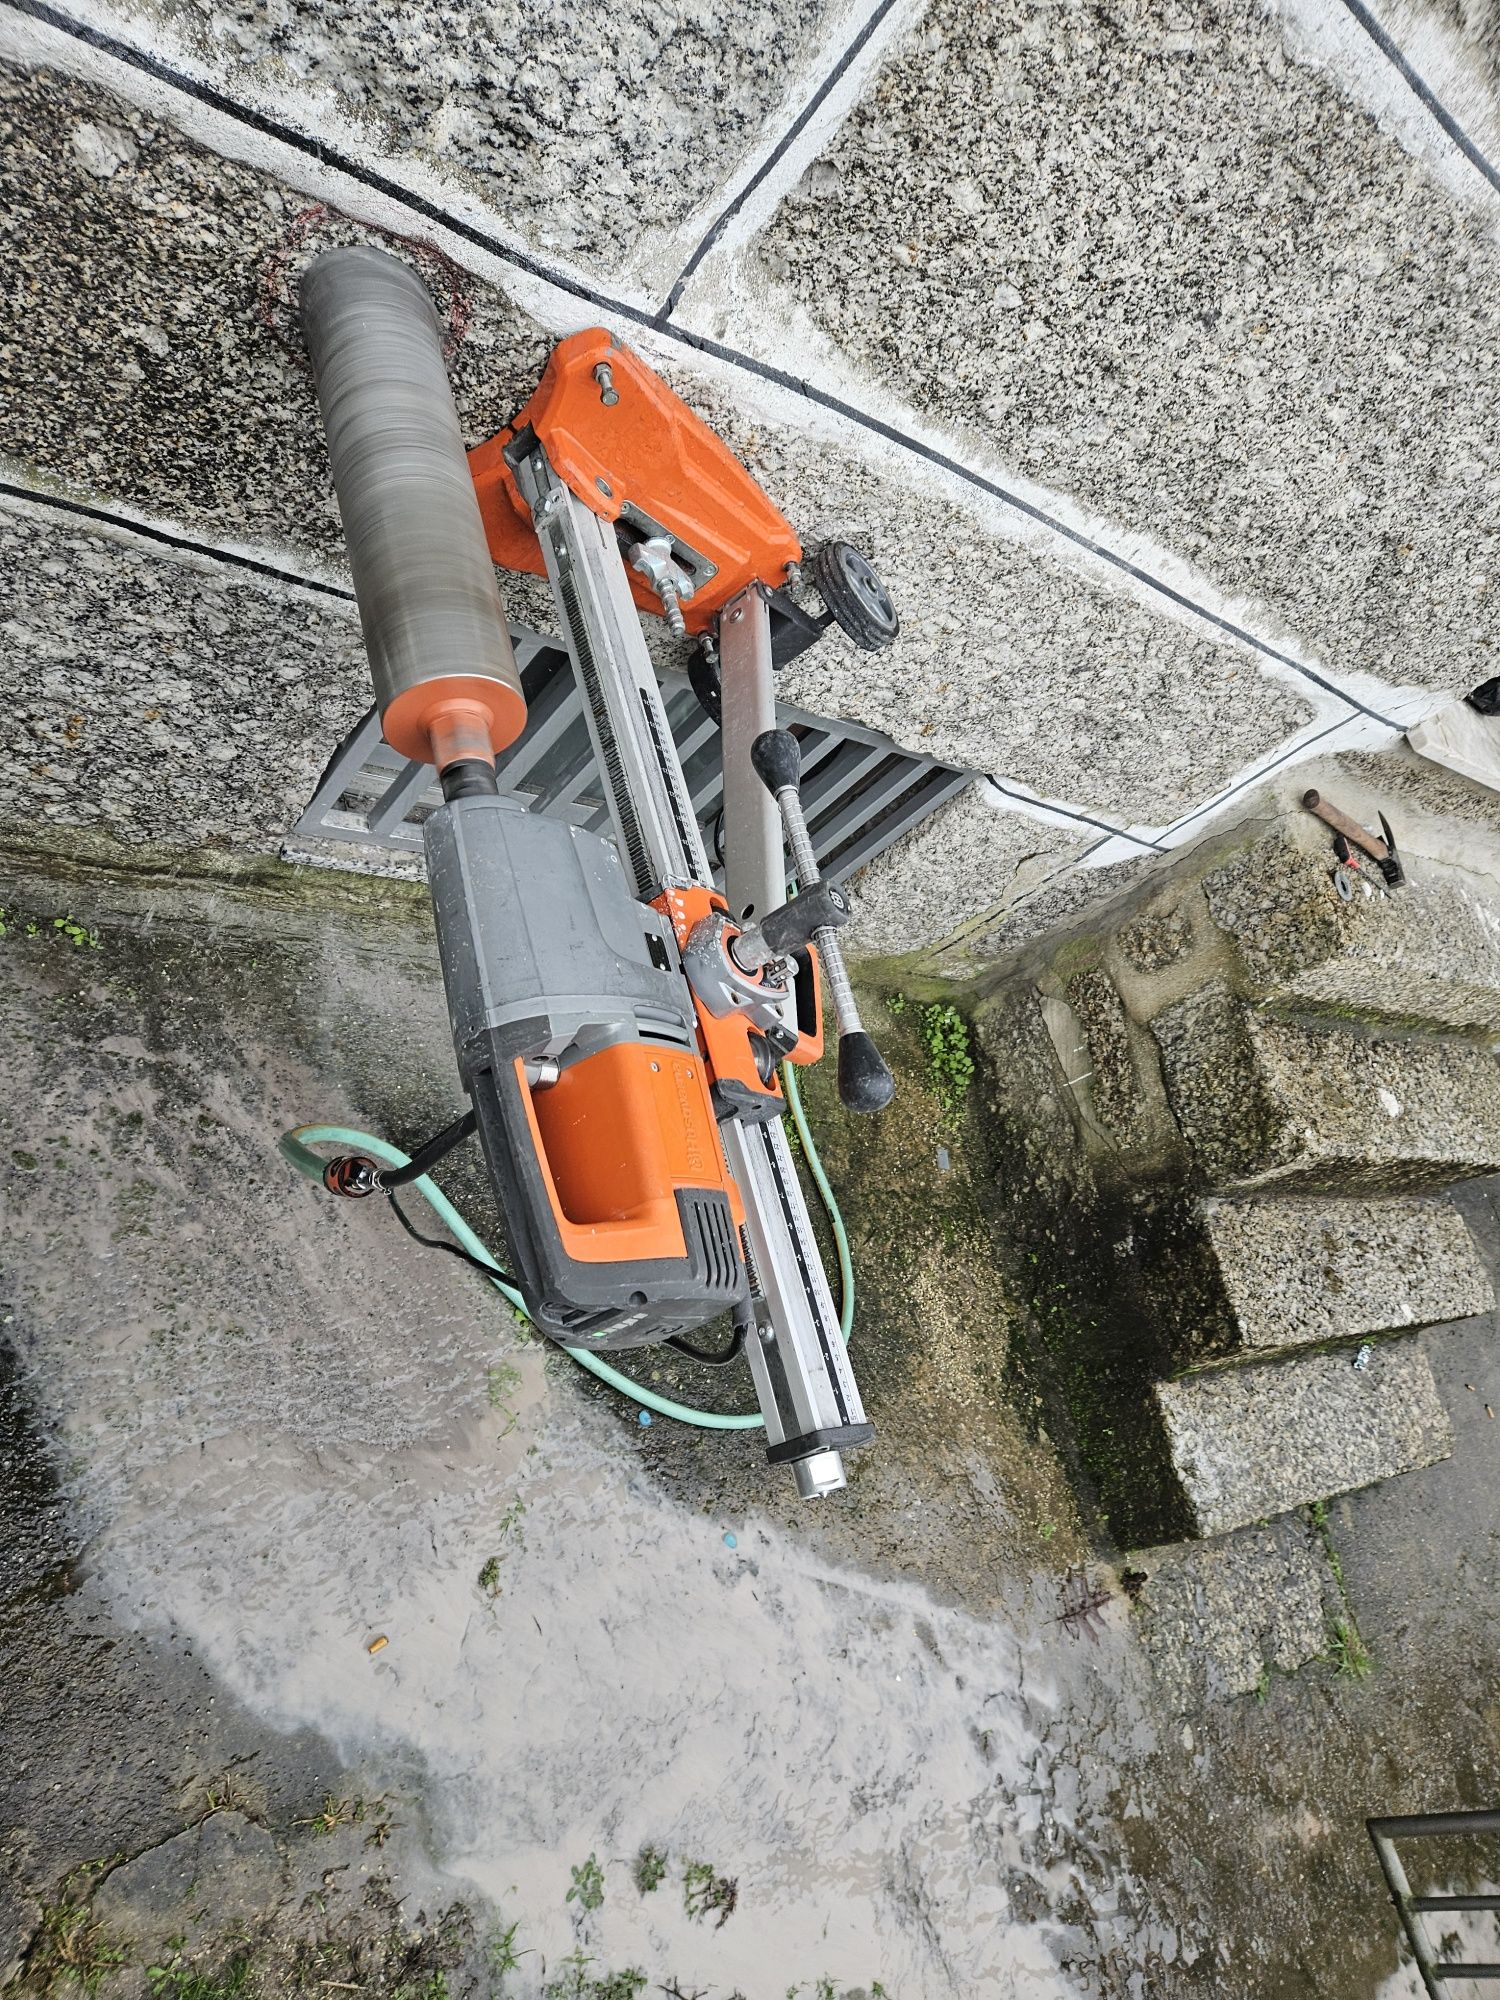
[859,791]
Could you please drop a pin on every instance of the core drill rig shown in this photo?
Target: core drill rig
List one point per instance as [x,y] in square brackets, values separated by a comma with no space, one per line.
[618,1019]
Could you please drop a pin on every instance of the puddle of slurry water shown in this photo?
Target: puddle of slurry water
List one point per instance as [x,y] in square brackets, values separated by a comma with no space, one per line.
[279,1430]
[869,1766]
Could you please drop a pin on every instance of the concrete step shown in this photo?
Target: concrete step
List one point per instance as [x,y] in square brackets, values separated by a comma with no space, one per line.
[1251,1442]
[1264,1102]
[1243,1279]
[1428,955]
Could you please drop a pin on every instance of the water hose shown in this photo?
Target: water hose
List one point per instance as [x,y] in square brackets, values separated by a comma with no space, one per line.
[297,1146]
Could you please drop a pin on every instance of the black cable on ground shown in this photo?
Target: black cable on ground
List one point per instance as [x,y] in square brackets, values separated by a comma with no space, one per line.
[437,1148]
[435,1242]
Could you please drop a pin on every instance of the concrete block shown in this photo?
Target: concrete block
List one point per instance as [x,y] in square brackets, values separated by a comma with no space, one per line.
[1268,1103]
[157,360]
[1246,1277]
[1258,1440]
[1399,774]
[1064,903]
[1215,1616]
[582,133]
[1428,955]
[208,715]
[1460,739]
[946,875]
[1153,942]
[159,365]
[1113,1086]
[1205,349]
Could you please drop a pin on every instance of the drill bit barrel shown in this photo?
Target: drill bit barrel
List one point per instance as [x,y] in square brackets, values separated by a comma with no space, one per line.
[440,654]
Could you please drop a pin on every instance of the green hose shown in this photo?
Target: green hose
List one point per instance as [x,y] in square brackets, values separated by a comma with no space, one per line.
[297,1148]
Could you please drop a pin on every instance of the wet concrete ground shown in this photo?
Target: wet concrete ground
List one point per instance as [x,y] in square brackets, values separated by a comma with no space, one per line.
[922,1728]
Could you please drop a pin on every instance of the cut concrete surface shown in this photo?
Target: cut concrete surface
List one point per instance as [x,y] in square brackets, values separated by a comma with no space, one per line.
[1297,1272]
[1257,1440]
[1428,953]
[1163,267]
[155,367]
[158,361]
[204,415]
[1460,739]
[1011,661]
[1268,1103]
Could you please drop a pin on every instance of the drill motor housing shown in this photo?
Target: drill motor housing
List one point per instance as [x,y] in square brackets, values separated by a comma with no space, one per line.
[574,1029]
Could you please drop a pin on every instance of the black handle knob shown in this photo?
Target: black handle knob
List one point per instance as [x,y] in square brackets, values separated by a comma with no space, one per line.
[865,1084]
[777,760]
[823,907]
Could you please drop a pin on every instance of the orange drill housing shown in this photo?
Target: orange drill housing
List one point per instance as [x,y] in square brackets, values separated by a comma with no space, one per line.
[644,454]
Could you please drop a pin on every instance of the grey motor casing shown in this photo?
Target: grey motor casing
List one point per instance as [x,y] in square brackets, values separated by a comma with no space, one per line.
[548,957]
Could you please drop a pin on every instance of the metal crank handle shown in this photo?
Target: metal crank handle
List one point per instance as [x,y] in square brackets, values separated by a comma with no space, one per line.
[865,1084]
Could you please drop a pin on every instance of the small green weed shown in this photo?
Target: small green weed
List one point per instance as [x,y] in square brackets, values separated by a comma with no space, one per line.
[1262,1688]
[650,1869]
[705,1892]
[227,1794]
[950,1065]
[339,1812]
[501,1953]
[509,1524]
[180,1982]
[588,1885]
[1347,1653]
[575,1983]
[72,1947]
[434,1987]
[77,934]
[501,1383]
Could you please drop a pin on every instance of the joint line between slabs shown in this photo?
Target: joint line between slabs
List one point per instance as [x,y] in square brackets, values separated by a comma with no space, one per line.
[1423,91]
[168,539]
[774,158]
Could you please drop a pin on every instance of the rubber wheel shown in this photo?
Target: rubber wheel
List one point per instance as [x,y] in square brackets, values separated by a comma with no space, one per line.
[858,600]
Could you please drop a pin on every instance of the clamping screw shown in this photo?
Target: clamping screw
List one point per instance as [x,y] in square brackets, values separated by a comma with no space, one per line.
[604,375]
[666,590]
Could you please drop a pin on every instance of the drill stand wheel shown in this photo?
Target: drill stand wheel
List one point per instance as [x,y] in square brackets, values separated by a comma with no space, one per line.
[858,601]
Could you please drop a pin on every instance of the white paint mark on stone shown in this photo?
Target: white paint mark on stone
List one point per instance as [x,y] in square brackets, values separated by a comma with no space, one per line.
[1390,1103]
